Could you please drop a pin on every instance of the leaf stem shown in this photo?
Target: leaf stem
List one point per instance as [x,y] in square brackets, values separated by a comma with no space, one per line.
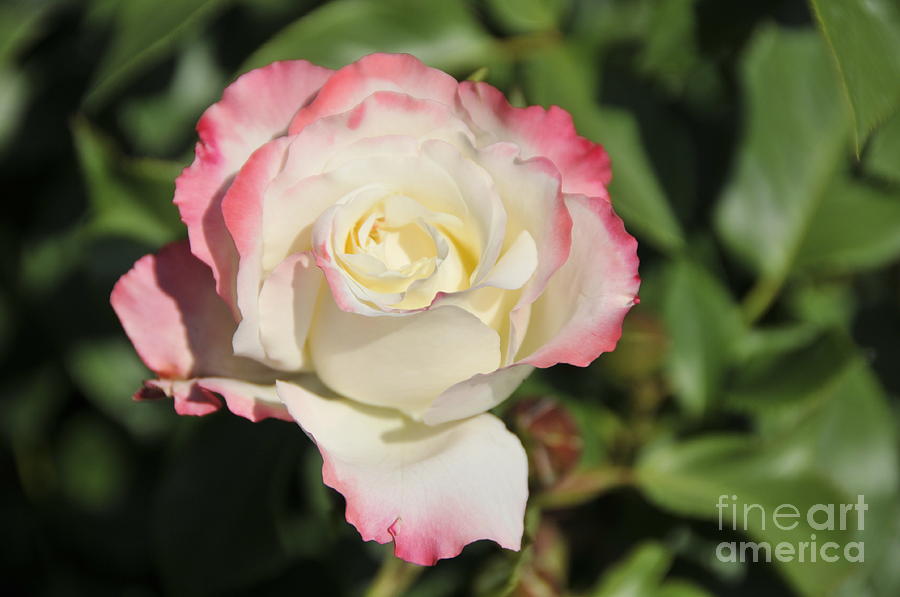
[519,46]
[760,298]
[583,486]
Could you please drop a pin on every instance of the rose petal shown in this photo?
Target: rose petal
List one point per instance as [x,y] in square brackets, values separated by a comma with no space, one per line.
[156,298]
[432,490]
[476,395]
[182,330]
[438,176]
[477,190]
[377,72]
[242,211]
[255,108]
[402,362]
[530,190]
[326,143]
[579,315]
[287,302]
[550,133]
[249,400]
[516,265]
[189,398]
[577,318]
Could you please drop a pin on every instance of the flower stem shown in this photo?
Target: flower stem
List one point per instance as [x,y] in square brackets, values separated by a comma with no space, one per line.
[393,578]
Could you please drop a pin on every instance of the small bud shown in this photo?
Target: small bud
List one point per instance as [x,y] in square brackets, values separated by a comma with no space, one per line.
[551,436]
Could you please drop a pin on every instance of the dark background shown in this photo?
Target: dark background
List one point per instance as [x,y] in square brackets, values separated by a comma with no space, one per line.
[756,157]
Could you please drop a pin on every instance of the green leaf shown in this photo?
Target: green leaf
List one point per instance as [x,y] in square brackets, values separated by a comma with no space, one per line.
[864,37]
[883,153]
[20,23]
[93,467]
[825,413]
[610,22]
[130,198]
[680,588]
[442,34]
[762,341]
[528,15]
[823,303]
[690,478]
[793,142]
[563,76]
[670,46]
[158,124]
[670,54]
[849,423]
[145,32]
[109,372]
[638,575]
[705,328]
[788,155]
[884,578]
[45,263]
[857,226]
[828,407]
[775,382]
[635,190]
[641,574]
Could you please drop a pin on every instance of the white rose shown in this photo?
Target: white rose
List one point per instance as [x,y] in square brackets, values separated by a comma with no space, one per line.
[382,254]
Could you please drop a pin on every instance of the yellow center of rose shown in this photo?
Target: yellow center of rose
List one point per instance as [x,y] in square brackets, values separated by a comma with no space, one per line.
[395,247]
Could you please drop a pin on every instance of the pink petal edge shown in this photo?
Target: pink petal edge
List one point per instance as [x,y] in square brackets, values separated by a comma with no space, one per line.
[469,477]
[593,325]
[153,301]
[550,132]
[254,109]
[351,84]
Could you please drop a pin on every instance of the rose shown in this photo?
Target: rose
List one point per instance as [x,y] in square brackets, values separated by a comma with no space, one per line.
[383,254]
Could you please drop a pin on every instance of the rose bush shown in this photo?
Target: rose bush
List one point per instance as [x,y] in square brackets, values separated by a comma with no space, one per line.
[382,254]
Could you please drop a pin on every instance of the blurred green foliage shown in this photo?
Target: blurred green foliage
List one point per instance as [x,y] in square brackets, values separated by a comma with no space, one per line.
[756,156]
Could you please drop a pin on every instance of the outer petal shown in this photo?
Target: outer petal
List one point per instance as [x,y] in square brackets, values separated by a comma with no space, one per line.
[579,315]
[577,318]
[550,133]
[255,108]
[249,400]
[189,398]
[182,330]
[170,311]
[242,211]
[400,362]
[432,490]
[377,72]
